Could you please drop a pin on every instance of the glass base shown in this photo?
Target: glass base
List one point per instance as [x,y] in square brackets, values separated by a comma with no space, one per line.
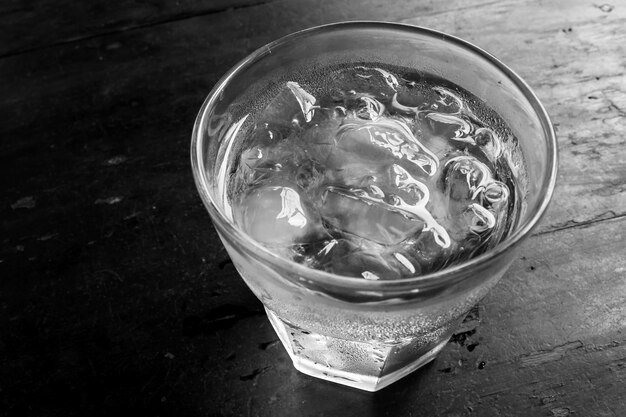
[366,366]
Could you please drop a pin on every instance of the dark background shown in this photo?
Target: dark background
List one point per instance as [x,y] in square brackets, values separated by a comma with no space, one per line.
[117,296]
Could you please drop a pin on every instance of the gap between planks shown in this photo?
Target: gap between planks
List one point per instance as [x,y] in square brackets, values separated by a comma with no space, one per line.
[573,224]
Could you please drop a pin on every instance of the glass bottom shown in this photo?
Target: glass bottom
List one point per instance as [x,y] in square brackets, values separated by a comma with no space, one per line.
[368,366]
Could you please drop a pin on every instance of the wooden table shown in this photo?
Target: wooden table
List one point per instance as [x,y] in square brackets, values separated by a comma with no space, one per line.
[116,295]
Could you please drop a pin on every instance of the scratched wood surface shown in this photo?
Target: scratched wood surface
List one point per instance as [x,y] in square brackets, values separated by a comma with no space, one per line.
[116,295]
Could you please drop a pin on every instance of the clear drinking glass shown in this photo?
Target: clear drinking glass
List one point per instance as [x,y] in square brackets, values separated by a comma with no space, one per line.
[357,332]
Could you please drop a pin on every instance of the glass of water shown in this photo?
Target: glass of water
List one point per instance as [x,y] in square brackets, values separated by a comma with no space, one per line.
[371,183]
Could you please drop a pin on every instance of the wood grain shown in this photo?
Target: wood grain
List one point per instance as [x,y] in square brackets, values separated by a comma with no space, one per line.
[28,25]
[116,294]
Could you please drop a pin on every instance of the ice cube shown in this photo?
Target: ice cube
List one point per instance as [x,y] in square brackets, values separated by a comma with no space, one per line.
[465,178]
[370,260]
[478,218]
[278,215]
[451,127]
[496,193]
[319,139]
[309,174]
[439,145]
[263,135]
[291,106]
[354,211]
[251,157]
[386,207]
[477,203]
[448,101]
[412,97]
[370,109]
[361,258]
[381,264]
[265,162]
[355,172]
[353,160]
[324,253]
[421,195]
[392,139]
[489,143]
[305,100]
[254,167]
[359,139]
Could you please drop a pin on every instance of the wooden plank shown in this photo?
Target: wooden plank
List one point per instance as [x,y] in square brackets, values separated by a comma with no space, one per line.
[27,26]
[32,25]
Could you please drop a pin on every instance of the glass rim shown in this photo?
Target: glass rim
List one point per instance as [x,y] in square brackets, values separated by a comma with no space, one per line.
[436,279]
